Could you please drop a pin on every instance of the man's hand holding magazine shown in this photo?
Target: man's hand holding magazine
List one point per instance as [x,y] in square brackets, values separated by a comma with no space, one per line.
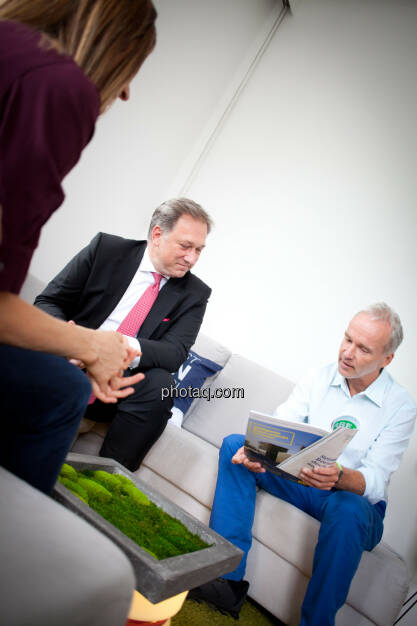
[240,458]
[320,477]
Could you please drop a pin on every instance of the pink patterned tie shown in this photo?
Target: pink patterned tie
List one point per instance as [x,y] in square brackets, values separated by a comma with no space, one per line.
[138,313]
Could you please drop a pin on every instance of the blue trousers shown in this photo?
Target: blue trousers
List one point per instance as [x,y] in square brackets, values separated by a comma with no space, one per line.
[349,525]
[42,400]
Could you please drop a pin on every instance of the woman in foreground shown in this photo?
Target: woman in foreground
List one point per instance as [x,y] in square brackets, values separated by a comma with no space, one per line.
[62,63]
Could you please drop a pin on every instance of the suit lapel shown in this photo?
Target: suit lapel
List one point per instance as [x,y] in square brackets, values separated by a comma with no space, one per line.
[167,298]
[122,269]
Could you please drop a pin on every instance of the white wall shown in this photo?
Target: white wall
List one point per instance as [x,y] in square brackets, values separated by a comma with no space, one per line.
[138,146]
[312,184]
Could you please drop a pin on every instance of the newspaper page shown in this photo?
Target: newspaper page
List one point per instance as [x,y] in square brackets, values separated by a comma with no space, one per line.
[285,447]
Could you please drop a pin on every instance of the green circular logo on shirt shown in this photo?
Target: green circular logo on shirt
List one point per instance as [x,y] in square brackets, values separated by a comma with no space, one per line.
[345,421]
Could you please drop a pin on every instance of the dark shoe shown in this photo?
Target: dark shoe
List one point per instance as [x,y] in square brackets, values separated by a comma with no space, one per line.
[224,595]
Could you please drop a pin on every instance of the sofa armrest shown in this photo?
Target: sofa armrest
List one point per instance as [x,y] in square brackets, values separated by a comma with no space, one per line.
[57,568]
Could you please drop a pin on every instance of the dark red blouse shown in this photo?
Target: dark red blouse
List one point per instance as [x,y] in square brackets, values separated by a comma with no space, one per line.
[48,109]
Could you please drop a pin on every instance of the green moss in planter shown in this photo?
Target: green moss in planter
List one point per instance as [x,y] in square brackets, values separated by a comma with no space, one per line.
[68,472]
[73,486]
[121,503]
[96,491]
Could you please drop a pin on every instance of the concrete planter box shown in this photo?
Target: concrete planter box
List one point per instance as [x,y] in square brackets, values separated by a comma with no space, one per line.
[156,580]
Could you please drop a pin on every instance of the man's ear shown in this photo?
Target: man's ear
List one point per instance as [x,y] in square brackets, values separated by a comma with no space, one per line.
[388,358]
[156,235]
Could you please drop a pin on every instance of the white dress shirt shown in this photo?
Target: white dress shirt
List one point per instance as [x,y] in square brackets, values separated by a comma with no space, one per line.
[138,285]
[384,411]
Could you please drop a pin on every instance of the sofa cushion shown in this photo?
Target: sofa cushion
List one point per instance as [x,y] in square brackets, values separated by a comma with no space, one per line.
[216,353]
[294,537]
[260,389]
[192,374]
[384,576]
[186,461]
[211,349]
[31,288]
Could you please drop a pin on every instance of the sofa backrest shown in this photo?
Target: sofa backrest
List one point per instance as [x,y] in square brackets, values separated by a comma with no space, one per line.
[32,287]
[240,386]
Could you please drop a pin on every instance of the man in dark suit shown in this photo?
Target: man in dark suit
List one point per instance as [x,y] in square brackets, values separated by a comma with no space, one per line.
[104,284]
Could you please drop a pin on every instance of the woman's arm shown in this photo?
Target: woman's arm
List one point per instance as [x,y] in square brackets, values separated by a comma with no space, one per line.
[105,354]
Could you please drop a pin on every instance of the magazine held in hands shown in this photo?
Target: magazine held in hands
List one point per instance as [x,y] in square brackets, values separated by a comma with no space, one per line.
[284,447]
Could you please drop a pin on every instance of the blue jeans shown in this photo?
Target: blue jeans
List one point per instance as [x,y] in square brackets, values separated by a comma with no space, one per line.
[349,525]
[43,399]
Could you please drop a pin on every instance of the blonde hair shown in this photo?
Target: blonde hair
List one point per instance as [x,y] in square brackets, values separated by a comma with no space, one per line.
[108,39]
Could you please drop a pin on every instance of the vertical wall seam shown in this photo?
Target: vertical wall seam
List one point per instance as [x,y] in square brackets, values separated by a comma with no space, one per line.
[209,142]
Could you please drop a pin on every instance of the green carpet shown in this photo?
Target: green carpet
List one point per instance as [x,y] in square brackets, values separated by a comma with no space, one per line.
[195,614]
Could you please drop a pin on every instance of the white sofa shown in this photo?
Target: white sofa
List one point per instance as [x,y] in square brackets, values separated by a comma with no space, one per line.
[183,466]
[55,567]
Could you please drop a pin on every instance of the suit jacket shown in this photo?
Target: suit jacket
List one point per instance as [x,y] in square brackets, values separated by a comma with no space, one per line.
[92,283]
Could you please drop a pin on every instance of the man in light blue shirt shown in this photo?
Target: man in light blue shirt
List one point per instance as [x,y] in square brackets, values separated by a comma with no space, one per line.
[351,493]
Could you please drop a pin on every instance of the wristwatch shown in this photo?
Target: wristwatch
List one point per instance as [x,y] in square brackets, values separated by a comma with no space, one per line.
[340,472]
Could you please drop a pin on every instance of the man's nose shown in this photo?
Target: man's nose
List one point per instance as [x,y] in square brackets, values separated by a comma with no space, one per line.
[191,257]
[349,350]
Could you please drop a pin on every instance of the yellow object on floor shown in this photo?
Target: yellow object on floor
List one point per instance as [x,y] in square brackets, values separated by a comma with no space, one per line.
[143,610]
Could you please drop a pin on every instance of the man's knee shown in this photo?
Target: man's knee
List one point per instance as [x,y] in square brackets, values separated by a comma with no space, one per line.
[231,445]
[72,387]
[53,380]
[150,395]
[70,407]
[159,377]
[61,394]
[160,381]
[348,509]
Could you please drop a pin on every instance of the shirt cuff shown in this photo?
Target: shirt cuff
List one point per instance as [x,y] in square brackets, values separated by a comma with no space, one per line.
[374,485]
[134,343]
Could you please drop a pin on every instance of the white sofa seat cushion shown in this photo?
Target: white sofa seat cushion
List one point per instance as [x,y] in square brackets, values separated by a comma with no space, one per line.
[293,536]
[187,461]
[382,576]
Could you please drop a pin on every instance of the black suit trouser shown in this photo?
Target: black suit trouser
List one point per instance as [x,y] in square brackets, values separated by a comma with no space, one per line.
[136,421]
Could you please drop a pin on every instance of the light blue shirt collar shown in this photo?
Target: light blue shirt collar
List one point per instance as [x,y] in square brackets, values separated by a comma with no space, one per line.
[375,392]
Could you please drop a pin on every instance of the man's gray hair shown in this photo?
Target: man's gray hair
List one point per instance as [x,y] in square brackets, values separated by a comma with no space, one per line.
[381,311]
[169,212]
